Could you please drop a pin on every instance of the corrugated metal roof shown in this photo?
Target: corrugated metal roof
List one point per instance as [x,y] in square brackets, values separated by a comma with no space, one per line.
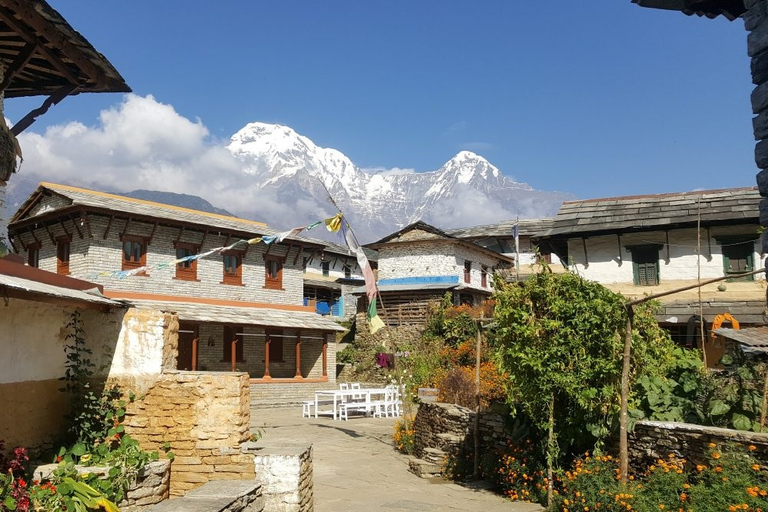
[755,338]
[243,315]
[614,214]
[48,290]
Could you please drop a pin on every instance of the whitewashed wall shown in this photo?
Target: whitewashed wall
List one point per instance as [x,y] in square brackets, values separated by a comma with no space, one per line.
[603,254]
[431,259]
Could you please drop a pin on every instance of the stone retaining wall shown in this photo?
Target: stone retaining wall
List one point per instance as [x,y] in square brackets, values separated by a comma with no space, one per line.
[448,428]
[285,475]
[652,440]
[204,417]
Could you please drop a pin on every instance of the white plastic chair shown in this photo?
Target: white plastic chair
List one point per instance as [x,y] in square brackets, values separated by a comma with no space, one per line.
[306,410]
[344,387]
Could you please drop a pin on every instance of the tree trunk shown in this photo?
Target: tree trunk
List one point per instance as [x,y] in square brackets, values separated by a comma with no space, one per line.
[623,418]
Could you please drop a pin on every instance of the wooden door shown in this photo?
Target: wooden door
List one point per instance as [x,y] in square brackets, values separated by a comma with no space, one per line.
[187,336]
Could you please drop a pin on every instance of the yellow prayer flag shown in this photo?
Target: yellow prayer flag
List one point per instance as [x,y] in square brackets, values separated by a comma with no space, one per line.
[334,223]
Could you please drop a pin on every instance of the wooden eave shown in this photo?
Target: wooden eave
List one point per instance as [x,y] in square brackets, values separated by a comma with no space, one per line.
[53,217]
[731,9]
[643,229]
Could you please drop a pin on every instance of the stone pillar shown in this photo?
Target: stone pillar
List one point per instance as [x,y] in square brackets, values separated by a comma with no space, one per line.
[756,23]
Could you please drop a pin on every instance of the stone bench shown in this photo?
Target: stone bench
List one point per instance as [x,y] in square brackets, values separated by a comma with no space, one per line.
[217,496]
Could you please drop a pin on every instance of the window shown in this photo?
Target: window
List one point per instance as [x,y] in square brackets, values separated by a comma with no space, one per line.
[231,333]
[273,274]
[186,270]
[33,255]
[484,276]
[645,264]
[738,256]
[326,266]
[275,346]
[347,271]
[233,268]
[467,271]
[62,255]
[134,252]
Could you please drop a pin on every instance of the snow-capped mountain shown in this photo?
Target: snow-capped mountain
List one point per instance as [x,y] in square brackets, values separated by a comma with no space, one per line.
[467,190]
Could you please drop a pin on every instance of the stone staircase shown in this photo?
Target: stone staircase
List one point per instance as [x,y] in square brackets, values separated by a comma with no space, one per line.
[217,496]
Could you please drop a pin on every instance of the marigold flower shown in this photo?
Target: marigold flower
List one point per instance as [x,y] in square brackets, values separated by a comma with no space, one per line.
[715,455]
[756,467]
[751,447]
[712,445]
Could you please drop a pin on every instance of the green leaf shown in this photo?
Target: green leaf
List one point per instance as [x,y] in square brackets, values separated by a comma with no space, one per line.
[718,408]
[79,449]
[9,503]
[741,422]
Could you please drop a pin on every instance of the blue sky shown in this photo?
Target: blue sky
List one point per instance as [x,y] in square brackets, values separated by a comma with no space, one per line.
[597,98]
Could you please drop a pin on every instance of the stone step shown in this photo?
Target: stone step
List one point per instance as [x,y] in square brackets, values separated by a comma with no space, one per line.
[424,469]
[217,496]
[433,455]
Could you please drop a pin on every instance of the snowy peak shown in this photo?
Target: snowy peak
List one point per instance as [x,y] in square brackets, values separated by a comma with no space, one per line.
[466,165]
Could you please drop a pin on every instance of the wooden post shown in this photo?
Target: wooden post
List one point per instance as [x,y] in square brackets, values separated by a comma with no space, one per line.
[476,469]
[234,354]
[194,353]
[298,356]
[325,356]
[623,418]
[266,358]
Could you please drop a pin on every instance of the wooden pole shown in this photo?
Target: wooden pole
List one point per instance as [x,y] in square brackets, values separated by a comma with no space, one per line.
[194,353]
[298,356]
[765,400]
[624,416]
[692,286]
[266,358]
[325,356]
[234,354]
[550,451]
[476,469]
[698,279]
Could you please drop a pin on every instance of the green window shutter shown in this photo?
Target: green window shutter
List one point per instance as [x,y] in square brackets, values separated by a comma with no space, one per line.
[645,264]
[635,272]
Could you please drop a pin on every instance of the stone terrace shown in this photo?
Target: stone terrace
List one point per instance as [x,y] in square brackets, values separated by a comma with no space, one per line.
[356,467]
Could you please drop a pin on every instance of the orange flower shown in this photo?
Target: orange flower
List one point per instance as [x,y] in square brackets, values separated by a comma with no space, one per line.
[712,445]
[715,455]
[756,467]
[751,447]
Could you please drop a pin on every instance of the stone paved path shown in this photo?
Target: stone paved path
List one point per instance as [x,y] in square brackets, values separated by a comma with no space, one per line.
[356,468]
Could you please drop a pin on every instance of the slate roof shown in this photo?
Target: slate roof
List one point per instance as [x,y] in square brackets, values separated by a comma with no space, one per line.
[528,227]
[58,56]
[660,211]
[420,231]
[267,317]
[731,9]
[108,204]
[36,288]
[754,338]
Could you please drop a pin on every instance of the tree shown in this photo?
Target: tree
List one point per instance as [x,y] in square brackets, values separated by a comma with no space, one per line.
[560,339]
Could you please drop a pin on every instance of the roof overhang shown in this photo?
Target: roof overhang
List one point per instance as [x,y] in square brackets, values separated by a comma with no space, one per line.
[731,9]
[263,317]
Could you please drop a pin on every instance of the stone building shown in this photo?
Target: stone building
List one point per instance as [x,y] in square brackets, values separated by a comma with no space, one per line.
[239,310]
[331,274]
[644,245]
[420,263]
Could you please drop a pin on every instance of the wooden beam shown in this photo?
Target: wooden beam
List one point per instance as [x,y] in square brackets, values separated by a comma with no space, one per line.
[125,228]
[63,227]
[300,249]
[74,223]
[178,237]
[51,100]
[152,234]
[109,225]
[202,242]
[21,60]
[50,235]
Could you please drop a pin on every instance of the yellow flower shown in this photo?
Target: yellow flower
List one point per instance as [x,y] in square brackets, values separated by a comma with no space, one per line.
[756,467]
[712,445]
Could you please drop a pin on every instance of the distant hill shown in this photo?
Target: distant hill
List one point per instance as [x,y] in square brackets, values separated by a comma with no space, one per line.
[172,198]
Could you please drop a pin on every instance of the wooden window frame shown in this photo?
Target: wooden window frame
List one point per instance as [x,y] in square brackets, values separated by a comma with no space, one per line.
[227,336]
[467,271]
[130,264]
[33,255]
[729,245]
[276,342]
[484,276]
[186,271]
[640,268]
[347,271]
[325,268]
[232,278]
[273,283]
[63,253]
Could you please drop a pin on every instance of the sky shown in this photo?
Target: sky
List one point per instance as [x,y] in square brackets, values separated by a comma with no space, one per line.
[598,98]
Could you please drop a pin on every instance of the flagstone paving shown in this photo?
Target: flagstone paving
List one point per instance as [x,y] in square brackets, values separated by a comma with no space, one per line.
[357,469]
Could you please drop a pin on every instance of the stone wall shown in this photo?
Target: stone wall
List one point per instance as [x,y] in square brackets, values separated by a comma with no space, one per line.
[152,486]
[756,23]
[447,429]
[285,475]
[204,417]
[652,440]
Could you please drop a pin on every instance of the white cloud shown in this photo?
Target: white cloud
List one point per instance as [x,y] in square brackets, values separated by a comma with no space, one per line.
[392,171]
